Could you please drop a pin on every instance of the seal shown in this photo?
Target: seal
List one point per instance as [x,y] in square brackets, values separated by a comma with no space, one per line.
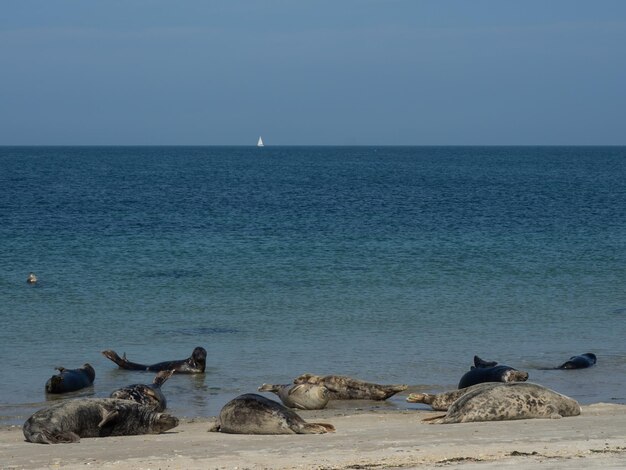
[579,362]
[148,395]
[71,420]
[255,414]
[509,401]
[443,401]
[341,387]
[70,380]
[302,396]
[483,371]
[195,364]
[31,279]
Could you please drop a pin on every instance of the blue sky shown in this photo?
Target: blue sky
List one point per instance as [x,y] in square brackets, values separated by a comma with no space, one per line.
[339,72]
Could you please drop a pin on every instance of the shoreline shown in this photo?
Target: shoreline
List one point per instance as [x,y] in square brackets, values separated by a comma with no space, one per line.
[364,439]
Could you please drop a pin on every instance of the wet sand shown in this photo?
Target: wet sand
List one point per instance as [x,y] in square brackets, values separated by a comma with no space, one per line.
[364,439]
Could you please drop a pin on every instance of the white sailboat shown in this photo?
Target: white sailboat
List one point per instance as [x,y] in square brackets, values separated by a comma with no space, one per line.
[260,142]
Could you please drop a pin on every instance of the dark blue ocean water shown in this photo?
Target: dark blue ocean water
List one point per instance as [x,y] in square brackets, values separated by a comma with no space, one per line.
[390,264]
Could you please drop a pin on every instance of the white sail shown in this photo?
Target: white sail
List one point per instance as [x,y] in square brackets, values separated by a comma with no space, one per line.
[260,142]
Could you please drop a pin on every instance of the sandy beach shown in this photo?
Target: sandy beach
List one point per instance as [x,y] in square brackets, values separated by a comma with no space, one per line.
[364,439]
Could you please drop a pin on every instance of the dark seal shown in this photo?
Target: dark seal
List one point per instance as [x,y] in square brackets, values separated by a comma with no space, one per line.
[341,387]
[489,371]
[195,364]
[579,362]
[94,417]
[70,380]
[148,395]
[255,414]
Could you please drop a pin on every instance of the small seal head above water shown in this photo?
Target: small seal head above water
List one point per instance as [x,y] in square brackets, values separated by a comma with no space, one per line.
[508,401]
[255,414]
[579,362]
[302,396]
[70,420]
[149,395]
[195,364]
[70,380]
[31,279]
[483,371]
[346,388]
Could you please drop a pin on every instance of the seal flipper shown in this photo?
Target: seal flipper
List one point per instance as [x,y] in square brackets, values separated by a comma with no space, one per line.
[312,428]
[108,416]
[481,363]
[434,419]
[162,377]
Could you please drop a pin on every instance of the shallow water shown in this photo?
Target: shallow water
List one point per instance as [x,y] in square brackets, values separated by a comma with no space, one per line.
[391,264]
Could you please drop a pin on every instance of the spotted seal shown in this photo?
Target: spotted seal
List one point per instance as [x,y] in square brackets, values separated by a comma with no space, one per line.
[70,380]
[509,401]
[301,396]
[579,362]
[255,414]
[490,371]
[195,364]
[31,279]
[442,401]
[149,395]
[70,420]
[341,387]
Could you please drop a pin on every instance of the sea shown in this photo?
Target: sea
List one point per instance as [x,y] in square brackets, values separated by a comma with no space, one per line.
[386,264]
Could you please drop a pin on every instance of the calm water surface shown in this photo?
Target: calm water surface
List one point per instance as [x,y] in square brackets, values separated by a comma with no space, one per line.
[390,264]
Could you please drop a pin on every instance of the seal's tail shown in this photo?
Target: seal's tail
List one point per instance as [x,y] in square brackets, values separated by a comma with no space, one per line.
[390,390]
[162,377]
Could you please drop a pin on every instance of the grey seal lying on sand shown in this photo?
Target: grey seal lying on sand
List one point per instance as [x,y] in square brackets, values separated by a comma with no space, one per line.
[341,387]
[149,395]
[509,401]
[94,417]
[255,414]
[302,396]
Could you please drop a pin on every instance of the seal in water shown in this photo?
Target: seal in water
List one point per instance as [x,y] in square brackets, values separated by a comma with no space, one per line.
[346,388]
[148,395]
[70,380]
[579,362]
[94,417]
[195,364]
[302,396]
[509,401]
[255,414]
[483,371]
[31,279]
[443,401]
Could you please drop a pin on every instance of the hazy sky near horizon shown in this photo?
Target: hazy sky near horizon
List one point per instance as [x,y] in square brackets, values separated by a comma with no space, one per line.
[325,72]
